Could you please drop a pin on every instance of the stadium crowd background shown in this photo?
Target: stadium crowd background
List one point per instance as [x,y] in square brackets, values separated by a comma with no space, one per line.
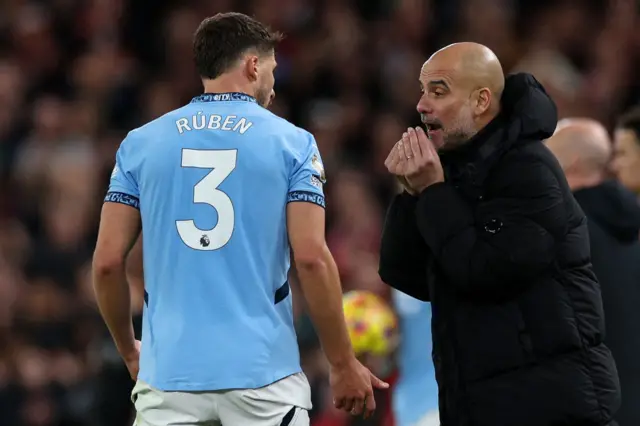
[76,75]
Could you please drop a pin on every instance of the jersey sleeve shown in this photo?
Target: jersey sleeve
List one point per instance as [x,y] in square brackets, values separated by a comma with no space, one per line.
[123,187]
[307,178]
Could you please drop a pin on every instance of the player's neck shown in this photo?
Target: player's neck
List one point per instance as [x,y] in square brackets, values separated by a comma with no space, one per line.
[227,84]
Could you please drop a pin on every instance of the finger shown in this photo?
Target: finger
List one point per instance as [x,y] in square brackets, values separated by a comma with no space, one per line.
[339,403]
[358,407]
[377,383]
[349,405]
[370,404]
[408,156]
[398,162]
[426,146]
[394,158]
[392,155]
[415,146]
[406,143]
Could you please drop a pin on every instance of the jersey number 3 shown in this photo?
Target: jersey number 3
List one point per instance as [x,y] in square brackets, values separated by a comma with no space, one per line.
[221,163]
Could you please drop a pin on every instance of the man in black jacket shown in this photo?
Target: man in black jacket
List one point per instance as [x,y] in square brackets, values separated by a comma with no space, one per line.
[583,149]
[488,231]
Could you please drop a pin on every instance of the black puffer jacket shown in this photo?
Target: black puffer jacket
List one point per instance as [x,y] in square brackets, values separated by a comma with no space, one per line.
[501,250]
[613,217]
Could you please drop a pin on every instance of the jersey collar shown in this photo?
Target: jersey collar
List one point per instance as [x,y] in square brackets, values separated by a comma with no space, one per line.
[224,97]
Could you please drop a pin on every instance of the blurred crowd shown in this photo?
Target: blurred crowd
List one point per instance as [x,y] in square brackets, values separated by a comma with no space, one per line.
[76,75]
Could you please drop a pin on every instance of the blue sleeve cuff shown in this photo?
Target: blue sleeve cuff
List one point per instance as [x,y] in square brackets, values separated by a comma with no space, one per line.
[122,198]
[306,197]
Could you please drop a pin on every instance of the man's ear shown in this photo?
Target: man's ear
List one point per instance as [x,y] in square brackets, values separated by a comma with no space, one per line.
[482,100]
[251,65]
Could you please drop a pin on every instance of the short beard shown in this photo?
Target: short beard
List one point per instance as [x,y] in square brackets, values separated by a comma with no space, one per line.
[263,97]
[462,132]
[457,138]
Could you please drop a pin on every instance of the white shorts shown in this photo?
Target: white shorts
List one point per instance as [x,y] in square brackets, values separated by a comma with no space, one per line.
[285,402]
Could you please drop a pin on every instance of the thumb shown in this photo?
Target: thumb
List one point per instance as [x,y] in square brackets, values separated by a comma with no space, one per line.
[377,383]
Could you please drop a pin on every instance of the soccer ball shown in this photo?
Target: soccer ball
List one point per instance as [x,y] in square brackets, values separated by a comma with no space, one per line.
[372,324]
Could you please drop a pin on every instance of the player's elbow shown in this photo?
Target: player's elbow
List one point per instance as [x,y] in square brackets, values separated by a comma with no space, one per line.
[311,257]
[105,263]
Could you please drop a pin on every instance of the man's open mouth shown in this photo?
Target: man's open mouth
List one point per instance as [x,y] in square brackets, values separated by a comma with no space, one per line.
[433,126]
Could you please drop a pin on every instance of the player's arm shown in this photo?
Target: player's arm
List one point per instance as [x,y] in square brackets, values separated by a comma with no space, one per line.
[135,275]
[317,270]
[319,279]
[120,225]
[119,229]
[403,253]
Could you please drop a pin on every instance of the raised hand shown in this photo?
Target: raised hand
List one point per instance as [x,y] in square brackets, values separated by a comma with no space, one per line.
[423,167]
[396,164]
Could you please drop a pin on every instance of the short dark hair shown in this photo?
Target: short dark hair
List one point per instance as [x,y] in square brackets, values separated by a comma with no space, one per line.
[221,39]
[631,121]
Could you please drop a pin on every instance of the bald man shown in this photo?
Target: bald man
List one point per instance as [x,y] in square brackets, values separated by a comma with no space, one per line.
[583,149]
[488,231]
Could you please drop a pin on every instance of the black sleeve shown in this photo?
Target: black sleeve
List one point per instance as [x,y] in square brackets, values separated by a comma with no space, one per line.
[509,239]
[403,253]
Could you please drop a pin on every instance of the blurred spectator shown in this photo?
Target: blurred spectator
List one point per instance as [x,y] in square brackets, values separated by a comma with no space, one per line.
[583,149]
[626,160]
[76,75]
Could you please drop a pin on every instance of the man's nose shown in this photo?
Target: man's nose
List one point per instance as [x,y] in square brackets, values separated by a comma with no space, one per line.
[423,107]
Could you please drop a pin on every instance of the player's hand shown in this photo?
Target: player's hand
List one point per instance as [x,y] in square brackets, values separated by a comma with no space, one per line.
[352,387]
[132,360]
[423,167]
[396,166]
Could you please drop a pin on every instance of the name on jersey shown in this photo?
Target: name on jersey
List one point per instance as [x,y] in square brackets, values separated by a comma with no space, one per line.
[200,121]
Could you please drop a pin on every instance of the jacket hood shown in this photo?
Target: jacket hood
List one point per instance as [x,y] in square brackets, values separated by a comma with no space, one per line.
[614,208]
[526,107]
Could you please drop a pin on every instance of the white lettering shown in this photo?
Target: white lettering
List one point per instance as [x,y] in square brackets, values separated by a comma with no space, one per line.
[214,122]
[200,121]
[228,122]
[194,119]
[243,124]
[183,124]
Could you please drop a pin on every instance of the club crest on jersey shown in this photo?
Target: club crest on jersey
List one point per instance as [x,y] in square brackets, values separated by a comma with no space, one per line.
[319,168]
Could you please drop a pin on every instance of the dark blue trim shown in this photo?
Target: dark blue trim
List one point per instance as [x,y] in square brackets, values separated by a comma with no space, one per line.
[306,197]
[281,293]
[122,198]
[146,298]
[286,420]
[224,97]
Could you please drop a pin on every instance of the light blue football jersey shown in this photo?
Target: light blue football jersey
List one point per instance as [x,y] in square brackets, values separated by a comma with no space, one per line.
[212,181]
[416,392]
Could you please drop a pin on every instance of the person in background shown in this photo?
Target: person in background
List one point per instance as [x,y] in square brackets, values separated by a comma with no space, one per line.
[415,394]
[583,149]
[626,159]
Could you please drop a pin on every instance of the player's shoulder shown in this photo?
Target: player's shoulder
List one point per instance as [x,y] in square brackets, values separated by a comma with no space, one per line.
[288,136]
[286,128]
